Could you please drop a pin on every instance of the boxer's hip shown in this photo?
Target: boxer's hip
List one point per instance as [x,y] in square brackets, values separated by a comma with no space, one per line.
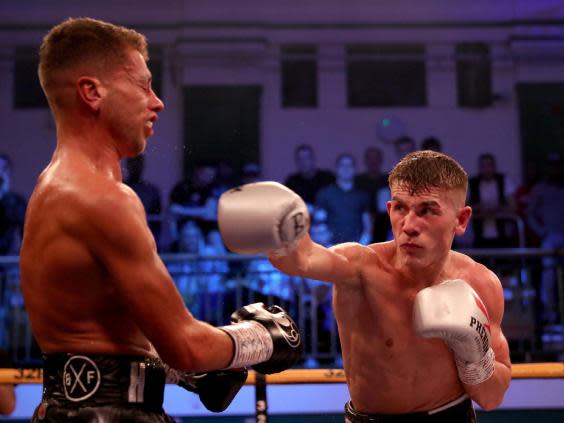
[460,411]
[83,384]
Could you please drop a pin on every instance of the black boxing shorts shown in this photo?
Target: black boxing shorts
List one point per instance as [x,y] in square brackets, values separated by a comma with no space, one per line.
[83,388]
[458,411]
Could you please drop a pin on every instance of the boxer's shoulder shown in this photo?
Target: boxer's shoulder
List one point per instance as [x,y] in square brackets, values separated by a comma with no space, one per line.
[483,280]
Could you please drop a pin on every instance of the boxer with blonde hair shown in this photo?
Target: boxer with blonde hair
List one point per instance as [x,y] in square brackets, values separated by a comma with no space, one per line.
[419,323]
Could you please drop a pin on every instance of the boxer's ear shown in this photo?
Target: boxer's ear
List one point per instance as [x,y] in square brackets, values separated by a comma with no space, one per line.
[90,91]
[462,220]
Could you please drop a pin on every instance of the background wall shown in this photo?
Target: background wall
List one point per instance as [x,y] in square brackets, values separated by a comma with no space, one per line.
[225,42]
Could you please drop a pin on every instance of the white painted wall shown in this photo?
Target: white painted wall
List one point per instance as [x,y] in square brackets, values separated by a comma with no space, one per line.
[201,47]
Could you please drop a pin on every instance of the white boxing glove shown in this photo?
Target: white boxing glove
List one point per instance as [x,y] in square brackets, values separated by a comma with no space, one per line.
[263,217]
[454,312]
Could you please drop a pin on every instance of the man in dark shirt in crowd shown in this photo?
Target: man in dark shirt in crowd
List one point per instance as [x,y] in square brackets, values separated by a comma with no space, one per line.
[491,195]
[346,206]
[307,181]
[149,194]
[375,182]
[194,199]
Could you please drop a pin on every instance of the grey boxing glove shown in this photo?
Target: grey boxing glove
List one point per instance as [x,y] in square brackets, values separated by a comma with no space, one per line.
[454,312]
[263,217]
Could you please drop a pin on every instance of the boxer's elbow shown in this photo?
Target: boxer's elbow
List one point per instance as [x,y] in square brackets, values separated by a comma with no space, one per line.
[490,399]
[489,404]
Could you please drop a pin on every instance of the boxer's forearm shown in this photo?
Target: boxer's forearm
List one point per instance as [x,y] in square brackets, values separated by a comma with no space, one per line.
[489,394]
[296,262]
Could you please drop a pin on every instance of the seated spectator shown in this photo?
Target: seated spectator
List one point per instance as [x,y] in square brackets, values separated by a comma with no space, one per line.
[308,179]
[7,392]
[202,282]
[545,213]
[194,199]
[12,211]
[148,193]
[347,207]
[374,181]
[316,297]
[432,143]
[267,284]
[263,282]
[490,195]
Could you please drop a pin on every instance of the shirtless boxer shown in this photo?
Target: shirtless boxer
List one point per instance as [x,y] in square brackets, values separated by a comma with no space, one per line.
[419,323]
[102,306]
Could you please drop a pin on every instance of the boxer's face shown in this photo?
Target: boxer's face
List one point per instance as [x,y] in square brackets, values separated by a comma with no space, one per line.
[424,224]
[131,106]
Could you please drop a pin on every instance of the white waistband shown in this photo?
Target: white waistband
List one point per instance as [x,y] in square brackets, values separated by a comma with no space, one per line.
[452,403]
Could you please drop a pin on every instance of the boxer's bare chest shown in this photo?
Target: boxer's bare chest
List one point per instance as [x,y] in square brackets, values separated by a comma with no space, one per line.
[380,344]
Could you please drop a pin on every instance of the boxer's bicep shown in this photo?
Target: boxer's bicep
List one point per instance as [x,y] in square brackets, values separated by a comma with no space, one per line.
[494,301]
[123,243]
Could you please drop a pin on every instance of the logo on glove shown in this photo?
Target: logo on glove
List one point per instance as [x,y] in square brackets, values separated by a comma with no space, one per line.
[299,223]
[289,330]
[483,329]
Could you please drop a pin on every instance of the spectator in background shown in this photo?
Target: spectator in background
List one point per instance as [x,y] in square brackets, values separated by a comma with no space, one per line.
[193,199]
[7,392]
[545,217]
[522,199]
[250,173]
[264,283]
[374,181]
[347,207]
[432,143]
[201,281]
[403,146]
[148,193]
[12,211]
[226,178]
[491,195]
[317,297]
[308,179]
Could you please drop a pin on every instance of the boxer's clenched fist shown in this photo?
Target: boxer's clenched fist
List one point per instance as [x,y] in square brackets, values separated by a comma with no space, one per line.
[263,217]
[265,338]
[454,312]
[215,389]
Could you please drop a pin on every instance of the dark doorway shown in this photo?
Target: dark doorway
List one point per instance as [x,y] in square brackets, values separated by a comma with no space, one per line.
[222,122]
[541,114]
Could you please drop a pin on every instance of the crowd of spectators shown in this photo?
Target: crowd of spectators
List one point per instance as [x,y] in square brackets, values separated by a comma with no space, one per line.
[346,203]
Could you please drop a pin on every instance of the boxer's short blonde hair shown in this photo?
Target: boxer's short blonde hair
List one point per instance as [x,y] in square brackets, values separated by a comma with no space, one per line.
[76,42]
[421,170]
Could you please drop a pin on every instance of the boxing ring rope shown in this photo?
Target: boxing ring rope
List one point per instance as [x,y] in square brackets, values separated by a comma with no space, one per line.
[306,376]
[296,376]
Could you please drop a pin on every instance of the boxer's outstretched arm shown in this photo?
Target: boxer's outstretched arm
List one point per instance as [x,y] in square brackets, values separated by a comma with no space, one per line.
[267,217]
[118,236]
[338,264]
